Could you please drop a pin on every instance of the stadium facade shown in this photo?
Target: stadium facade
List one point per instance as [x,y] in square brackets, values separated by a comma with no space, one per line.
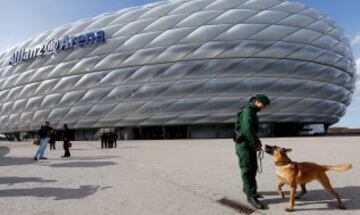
[180,69]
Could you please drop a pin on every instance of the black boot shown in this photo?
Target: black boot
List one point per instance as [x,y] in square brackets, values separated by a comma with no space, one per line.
[256,203]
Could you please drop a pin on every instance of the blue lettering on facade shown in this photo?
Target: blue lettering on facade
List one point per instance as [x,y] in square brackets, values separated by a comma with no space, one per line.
[55,45]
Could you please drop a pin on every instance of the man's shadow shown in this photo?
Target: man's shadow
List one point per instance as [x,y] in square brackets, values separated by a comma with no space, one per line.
[19,161]
[17,180]
[350,196]
[88,164]
[57,193]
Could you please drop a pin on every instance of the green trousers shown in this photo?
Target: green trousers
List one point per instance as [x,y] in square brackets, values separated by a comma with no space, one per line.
[248,165]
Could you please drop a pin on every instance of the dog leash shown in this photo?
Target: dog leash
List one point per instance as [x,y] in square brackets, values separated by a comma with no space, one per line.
[260,158]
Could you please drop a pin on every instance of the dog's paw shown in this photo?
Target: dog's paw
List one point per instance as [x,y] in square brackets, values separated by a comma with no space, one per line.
[289,209]
[342,207]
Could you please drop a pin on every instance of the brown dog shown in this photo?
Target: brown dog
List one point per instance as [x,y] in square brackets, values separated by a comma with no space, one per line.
[294,173]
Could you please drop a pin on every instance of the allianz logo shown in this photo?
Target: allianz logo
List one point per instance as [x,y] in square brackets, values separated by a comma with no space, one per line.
[54,46]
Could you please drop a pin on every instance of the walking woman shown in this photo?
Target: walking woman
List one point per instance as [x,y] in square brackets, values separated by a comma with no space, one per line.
[66,137]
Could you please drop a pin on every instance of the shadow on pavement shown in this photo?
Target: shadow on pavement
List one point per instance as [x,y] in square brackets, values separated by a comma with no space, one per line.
[350,196]
[4,150]
[106,187]
[14,161]
[17,180]
[86,158]
[84,164]
[55,192]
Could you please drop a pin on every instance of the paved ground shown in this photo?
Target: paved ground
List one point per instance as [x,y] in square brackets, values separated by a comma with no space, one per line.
[164,177]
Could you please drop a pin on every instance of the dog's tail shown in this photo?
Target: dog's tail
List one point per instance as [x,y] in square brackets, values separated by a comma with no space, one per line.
[340,167]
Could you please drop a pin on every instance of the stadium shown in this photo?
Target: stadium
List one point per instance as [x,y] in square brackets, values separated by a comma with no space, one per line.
[180,69]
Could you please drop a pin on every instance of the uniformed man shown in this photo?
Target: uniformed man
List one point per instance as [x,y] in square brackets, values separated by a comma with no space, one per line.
[247,144]
[103,138]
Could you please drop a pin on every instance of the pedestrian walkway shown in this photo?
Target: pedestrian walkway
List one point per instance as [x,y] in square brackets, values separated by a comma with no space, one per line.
[165,177]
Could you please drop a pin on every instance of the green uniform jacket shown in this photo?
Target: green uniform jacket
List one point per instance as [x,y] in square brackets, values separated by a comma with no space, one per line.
[247,124]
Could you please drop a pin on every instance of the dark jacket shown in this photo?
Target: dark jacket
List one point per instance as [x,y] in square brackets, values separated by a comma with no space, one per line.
[104,137]
[67,135]
[45,132]
[52,137]
[247,124]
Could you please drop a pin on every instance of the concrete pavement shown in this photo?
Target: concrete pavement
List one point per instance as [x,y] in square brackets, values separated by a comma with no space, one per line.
[164,177]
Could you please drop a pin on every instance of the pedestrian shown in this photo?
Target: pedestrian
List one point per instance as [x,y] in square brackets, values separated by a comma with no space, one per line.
[66,138]
[115,137]
[110,138]
[103,138]
[44,135]
[52,140]
[247,144]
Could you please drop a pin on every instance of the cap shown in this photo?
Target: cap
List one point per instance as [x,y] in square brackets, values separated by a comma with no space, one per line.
[263,99]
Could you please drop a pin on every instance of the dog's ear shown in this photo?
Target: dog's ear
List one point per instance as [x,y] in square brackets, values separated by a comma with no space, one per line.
[288,150]
[284,150]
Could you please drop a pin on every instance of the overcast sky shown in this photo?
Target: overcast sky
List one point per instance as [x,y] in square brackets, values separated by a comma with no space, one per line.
[23,19]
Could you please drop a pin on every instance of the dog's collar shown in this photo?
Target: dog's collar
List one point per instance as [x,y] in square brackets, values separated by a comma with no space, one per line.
[283,163]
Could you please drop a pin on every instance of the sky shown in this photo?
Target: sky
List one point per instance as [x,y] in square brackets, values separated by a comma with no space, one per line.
[24,19]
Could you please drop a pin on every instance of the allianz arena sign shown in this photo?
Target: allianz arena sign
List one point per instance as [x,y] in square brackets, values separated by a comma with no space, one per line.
[55,45]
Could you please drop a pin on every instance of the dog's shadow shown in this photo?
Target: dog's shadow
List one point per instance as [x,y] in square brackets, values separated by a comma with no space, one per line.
[349,195]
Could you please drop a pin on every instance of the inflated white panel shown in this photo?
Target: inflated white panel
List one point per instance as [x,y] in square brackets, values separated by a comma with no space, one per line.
[184,62]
